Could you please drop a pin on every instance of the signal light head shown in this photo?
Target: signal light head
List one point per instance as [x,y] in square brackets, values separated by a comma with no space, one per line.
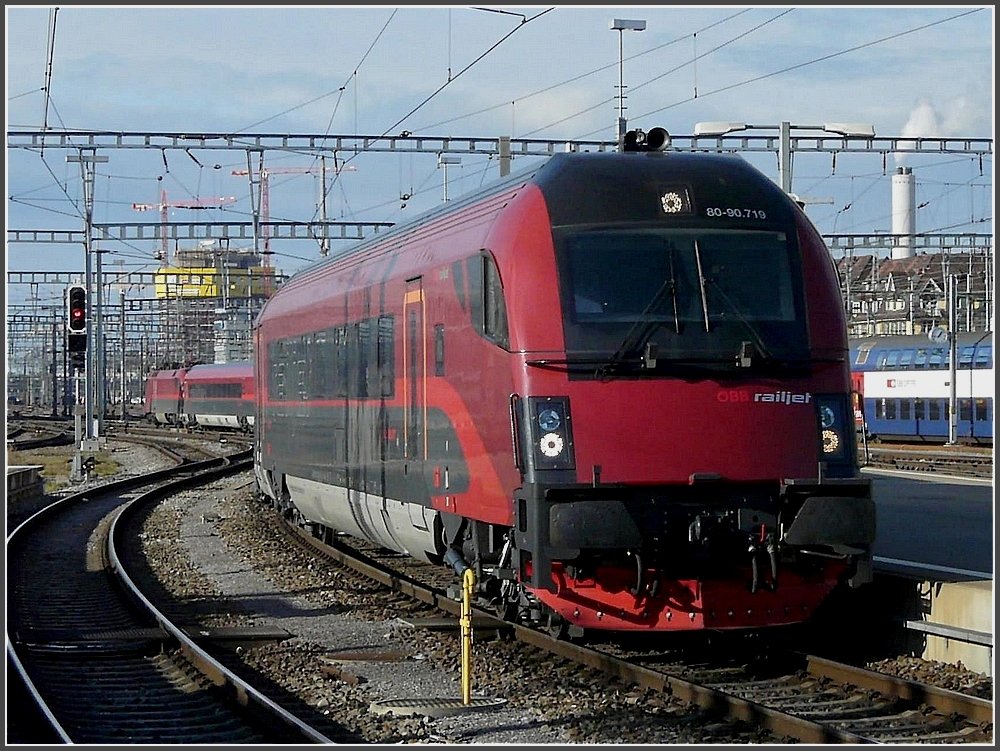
[76,305]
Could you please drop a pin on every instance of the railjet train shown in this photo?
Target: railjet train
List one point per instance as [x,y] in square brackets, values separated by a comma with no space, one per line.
[615,384]
[203,396]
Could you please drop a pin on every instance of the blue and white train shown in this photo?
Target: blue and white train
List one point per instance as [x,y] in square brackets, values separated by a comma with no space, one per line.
[902,387]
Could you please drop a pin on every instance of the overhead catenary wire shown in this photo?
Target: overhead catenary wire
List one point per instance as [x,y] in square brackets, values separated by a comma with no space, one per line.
[49,54]
[814,61]
[576,78]
[676,68]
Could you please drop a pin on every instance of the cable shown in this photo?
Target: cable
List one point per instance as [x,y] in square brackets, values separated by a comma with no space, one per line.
[824,58]
[582,76]
[496,44]
[666,73]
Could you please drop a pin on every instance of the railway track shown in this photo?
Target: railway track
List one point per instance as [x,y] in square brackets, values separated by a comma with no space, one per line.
[793,695]
[91,662]
[954,463]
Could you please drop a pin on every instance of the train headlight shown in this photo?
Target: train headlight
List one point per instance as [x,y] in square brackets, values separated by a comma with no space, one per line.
[835,434]
[551,445]
[551,432]
[549,419]
[831,441]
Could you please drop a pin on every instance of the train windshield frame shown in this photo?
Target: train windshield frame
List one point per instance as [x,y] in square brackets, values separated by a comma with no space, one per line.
[696,292]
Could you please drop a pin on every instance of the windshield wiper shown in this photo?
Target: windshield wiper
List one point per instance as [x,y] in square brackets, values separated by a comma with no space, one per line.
[701,283]
[642,326]
[744,356]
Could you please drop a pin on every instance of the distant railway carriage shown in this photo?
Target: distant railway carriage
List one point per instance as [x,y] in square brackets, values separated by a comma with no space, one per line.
[615,385]
[163,404]
[205,396]
[902,387]
[220,396]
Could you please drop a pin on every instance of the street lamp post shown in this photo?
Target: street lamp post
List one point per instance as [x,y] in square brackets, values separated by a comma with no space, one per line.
[850,130]
[621,25]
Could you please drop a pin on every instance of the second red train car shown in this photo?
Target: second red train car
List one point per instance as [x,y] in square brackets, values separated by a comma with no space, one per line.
[218,395]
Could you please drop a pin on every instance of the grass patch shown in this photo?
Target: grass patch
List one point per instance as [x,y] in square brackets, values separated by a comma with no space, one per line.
[56,462]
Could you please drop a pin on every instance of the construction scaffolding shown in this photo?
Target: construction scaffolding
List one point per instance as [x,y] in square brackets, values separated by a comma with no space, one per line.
[208,300]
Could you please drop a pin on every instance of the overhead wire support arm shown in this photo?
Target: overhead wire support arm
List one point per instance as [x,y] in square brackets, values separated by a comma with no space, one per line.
[284,230]
[302,143]
[409,143]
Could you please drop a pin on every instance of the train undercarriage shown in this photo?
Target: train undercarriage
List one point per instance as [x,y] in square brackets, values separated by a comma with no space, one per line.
[753,560]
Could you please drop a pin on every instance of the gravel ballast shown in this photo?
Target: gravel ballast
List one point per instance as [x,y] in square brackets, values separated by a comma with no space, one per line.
[218,549]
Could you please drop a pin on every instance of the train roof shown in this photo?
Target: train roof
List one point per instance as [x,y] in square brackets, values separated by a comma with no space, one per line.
[973,349]
[239,369]
[913,341]
[171,373]
[588,187]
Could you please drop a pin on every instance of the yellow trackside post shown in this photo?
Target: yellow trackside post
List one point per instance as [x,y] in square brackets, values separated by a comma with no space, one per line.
[468,586]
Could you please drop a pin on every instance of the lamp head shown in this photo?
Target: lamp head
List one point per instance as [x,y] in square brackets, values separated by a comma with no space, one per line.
[625,24]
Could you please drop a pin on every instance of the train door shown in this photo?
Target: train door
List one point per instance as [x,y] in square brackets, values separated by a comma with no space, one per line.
[181,417]
[414,372]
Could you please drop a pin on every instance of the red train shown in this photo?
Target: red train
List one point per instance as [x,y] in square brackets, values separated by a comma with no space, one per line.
[203,396]
[616,385]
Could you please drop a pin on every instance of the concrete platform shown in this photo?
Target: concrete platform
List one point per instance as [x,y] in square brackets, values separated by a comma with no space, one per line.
[957,622]
[24,481]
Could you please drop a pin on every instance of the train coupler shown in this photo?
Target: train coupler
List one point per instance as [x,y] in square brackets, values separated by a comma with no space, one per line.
[763,545]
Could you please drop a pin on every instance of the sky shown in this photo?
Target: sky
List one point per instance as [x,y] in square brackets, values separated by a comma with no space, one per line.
[549,72]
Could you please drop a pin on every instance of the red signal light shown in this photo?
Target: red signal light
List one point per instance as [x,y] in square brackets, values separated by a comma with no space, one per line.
[76,303]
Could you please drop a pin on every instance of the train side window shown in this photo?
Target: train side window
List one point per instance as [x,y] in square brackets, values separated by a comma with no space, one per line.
[302,364]
[276,380]
[319,372]
[934,410]
[880,362]
[489,309]
[937,357]
[920,358]
[981,410]
[494,305]
[965,410]
[905,409]
[905,358]
[862,356]
[965,357]
[373,382]
[387,354]
[919,409]
[892,360]
[363,345]
[439,349]
[341,348]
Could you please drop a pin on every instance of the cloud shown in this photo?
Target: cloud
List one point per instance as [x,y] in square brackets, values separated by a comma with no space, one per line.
[927,121]
[924,122]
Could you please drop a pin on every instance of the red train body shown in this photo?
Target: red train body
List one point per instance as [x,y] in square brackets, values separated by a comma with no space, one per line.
[203,396]
[615,385]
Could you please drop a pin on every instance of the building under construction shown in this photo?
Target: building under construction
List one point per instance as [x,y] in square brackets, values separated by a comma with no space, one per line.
[206,302]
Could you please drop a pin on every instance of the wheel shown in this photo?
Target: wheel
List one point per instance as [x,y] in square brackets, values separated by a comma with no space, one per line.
[556,626]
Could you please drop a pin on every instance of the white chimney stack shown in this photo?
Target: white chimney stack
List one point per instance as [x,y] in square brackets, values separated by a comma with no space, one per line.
[904,212]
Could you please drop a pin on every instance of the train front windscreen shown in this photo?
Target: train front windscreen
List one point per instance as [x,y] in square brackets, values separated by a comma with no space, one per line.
[718,298]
